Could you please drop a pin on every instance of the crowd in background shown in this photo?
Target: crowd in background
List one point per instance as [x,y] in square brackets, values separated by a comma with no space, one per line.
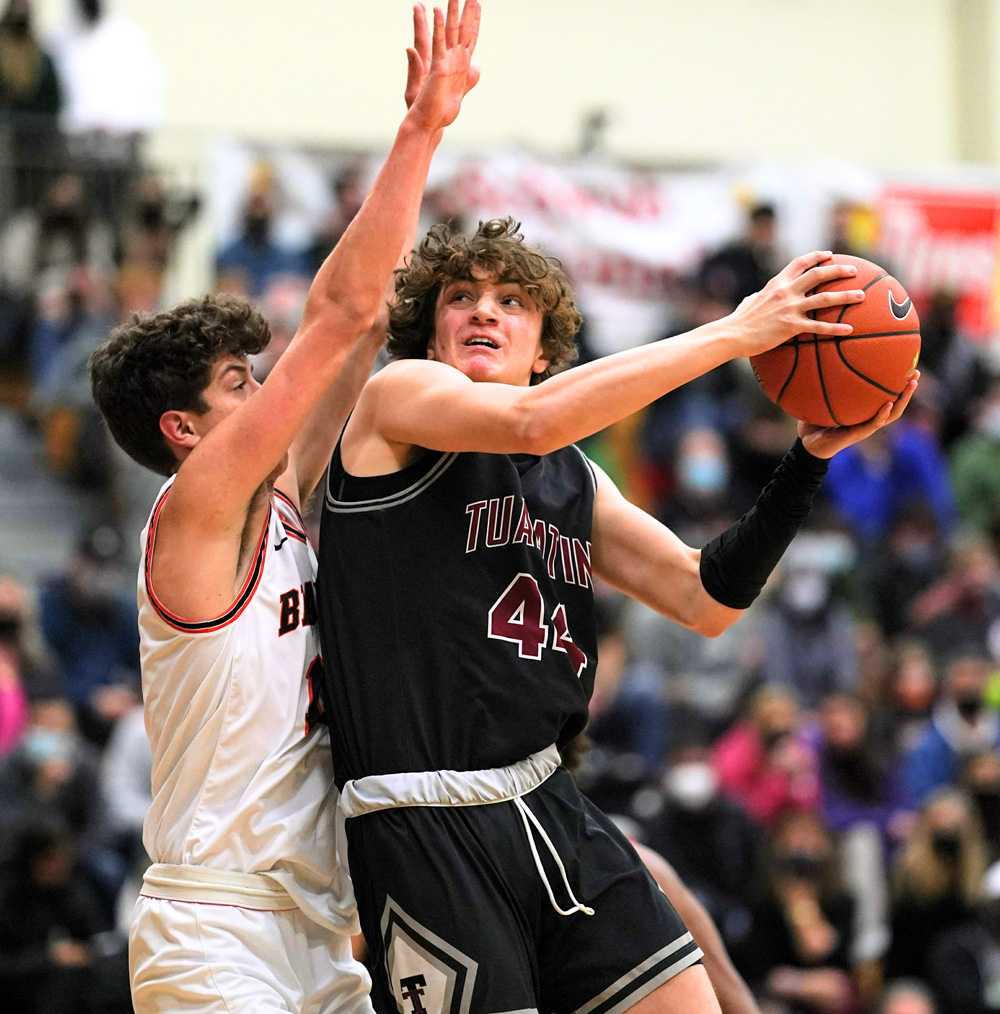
[825,776]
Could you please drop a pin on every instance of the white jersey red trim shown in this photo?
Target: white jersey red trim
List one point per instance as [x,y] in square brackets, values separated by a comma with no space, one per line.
[242,780]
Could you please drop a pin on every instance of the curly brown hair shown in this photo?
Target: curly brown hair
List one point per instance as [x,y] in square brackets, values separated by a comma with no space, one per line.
[498,249]
[157,362]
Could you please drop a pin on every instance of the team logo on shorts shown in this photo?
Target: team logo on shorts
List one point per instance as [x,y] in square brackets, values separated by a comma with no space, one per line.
[427,973]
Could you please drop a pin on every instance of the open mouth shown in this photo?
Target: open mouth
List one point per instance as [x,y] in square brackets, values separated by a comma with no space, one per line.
[478,341]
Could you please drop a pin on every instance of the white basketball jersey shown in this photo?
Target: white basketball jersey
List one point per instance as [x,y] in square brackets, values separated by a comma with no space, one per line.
[242,779]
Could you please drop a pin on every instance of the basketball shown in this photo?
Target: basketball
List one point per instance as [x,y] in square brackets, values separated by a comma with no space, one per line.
[842,381]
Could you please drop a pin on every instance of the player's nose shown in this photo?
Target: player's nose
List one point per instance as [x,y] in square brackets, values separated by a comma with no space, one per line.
[485,311]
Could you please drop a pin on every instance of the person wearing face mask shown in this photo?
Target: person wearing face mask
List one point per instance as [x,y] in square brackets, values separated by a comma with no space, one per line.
[764,762]
[30,101]
[799,948]
[965,963]
[89,622]
[256,254]
[935,879]
[712,843]
[809,642]
[961,726]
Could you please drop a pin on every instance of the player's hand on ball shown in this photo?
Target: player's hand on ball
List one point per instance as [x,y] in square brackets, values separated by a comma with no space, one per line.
[440,72]
[825,441]
[781,309]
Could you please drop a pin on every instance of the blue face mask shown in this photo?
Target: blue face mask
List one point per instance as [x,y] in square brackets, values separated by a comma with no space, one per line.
[43,745]
[703,473]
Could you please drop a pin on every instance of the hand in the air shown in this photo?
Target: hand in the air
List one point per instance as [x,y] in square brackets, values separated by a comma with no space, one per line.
[782,309]
[825,441]
[440,72]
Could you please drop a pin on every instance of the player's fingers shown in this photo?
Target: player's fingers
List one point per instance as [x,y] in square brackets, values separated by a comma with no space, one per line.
[824,300]
[471,15]
[421,35]
[437,43]
[451,25]
[827,328]
[899,405]
[823,273]
[414,73]
[803,262]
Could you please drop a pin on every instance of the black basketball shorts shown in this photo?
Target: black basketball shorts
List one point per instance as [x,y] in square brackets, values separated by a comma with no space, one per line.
[458,920]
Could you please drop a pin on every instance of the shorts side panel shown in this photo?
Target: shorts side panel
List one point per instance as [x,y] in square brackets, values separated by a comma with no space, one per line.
[633,943]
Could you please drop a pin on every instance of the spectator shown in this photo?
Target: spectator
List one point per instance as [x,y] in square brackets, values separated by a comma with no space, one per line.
[960,727]
[861,779]
[744,266]
[808,636]
[936,879]
[963,607]
[981,780]
[871,483]
[256,254]
[911,691]
[125,785]
[156,218]
[974,470]
[764,762]
[13,694]
[48,921]
[800,944]
[711,841]
[907,996]
[54,240]
[91,626]
[282,303]
[113,96]
[911,559]
[965,962]
[701,503]
[349,187]
[30,102]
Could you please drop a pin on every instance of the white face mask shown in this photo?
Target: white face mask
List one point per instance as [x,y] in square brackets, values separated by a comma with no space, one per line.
[806,591]
[692,784]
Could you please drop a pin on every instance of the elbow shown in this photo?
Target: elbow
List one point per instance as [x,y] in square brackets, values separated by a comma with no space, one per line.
[712,626]
[532,431]
[344,319]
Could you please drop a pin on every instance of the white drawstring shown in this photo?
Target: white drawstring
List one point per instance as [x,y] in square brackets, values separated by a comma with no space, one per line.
[526,816]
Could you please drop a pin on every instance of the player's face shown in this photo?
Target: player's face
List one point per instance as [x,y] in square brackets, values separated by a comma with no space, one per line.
[231,385]
[490,330]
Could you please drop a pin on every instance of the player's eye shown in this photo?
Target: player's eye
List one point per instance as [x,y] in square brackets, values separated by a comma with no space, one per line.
[461,294]
[512,301]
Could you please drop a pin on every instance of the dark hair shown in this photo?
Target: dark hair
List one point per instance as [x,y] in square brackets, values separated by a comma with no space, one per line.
[497,248]
[163,361]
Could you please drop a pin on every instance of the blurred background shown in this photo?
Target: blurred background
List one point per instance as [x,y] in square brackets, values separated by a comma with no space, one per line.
[826,775]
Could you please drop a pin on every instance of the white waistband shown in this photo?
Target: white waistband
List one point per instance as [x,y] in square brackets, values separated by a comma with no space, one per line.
[464,788]
[448,788]
[215,887]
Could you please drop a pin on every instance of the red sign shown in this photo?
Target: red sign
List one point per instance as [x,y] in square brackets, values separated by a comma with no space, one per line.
[946,240]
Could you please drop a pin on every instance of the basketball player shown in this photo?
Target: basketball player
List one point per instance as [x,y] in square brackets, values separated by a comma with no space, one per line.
[461,533]
[245,907]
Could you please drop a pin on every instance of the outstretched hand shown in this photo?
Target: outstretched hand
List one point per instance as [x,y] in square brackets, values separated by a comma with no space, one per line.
[440,72]
[826,441]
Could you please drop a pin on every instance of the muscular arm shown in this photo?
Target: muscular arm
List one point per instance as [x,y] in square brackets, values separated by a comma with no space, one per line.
[733,993]
[432,405]
[207,511]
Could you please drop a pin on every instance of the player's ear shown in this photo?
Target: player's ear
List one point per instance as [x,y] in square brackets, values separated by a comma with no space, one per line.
[178,429]
[541,363]
[430,348]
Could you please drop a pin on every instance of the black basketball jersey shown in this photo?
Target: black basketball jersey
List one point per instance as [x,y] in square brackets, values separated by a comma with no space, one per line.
[456,610]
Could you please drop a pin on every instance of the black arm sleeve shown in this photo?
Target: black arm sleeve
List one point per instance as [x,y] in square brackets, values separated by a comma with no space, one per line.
[736,564]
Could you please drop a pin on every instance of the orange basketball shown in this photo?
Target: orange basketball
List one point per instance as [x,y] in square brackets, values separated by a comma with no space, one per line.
[841,381]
